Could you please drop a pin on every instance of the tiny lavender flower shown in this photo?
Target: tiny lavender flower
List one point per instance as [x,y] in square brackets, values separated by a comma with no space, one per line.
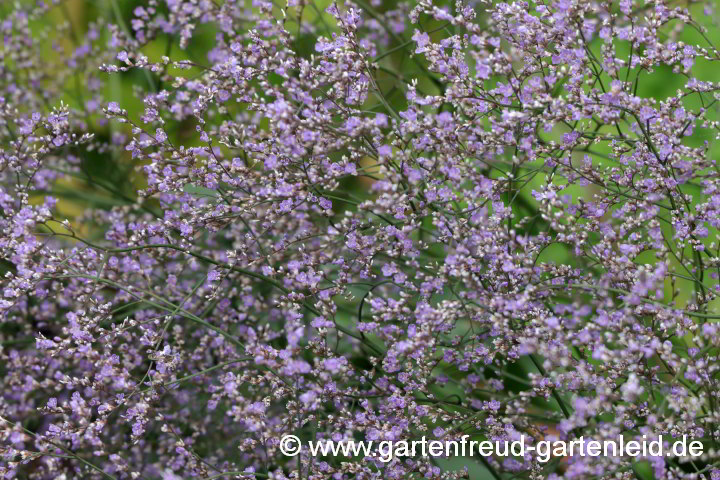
[381,221]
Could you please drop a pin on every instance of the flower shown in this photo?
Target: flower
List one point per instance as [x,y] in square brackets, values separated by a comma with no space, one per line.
[384,222]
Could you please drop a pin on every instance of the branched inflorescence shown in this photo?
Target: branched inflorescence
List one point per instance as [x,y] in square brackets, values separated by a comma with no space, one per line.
[356,221]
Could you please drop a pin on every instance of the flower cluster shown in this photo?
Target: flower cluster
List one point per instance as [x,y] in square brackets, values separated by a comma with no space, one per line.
[379,221]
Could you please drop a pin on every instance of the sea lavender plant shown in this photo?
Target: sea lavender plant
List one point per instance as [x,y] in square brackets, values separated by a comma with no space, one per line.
[356,221]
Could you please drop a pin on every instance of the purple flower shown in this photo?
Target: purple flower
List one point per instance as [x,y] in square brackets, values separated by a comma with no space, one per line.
[373,222]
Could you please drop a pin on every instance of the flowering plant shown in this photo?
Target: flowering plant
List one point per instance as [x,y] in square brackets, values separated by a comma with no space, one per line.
[352,221]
